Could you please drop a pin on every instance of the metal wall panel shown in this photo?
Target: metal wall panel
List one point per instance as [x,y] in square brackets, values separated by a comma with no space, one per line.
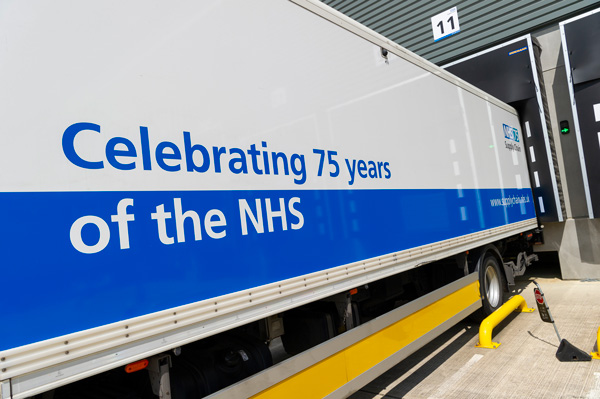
[482,23]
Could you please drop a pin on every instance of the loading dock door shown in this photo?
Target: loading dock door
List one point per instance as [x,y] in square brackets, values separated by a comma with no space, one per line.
[581,49]
[509,73]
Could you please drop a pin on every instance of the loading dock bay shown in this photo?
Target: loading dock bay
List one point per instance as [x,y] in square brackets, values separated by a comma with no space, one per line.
[524,366]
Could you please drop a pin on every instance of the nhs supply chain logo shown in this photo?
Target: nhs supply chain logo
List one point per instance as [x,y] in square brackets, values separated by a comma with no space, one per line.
[510,133]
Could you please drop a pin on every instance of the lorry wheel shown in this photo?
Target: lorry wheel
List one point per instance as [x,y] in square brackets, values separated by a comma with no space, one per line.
[490,283]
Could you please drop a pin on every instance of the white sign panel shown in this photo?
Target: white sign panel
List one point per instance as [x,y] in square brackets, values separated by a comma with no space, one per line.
[445,24]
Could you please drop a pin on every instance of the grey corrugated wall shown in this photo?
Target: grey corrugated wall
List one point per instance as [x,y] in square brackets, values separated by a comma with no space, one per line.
[482,23]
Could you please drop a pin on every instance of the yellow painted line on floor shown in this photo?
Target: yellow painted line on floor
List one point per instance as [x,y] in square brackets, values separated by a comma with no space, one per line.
[333,372]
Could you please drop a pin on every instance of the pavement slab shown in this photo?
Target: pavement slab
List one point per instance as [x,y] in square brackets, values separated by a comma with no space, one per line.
[523,366]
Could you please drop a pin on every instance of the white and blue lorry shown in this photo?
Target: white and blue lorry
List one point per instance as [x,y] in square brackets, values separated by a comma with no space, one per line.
[188,187]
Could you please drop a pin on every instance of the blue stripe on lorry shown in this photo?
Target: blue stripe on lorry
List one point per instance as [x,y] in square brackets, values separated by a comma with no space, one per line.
[84,259]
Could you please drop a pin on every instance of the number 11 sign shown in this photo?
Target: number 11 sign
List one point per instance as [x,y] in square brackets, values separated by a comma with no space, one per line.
[445,24]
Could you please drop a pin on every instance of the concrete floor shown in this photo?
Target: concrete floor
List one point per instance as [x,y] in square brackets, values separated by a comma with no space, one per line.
[524,366]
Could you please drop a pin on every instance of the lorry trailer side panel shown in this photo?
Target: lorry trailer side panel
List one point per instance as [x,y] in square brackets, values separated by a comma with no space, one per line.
[195,155]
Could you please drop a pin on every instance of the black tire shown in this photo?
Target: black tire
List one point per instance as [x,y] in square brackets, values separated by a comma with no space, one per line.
[491,285]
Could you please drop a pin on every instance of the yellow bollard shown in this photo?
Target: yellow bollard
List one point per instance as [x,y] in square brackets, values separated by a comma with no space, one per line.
[596,355]
[516,303]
